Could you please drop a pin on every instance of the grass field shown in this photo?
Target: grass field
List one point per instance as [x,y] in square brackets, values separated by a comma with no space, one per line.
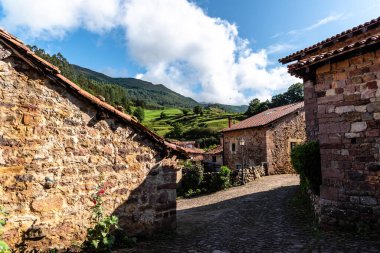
[215,119]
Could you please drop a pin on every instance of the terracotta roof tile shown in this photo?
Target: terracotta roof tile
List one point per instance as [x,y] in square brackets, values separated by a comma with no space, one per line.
[266,117]
[371,40]
[193,150]
[329,41]
[22,51]
[215,151]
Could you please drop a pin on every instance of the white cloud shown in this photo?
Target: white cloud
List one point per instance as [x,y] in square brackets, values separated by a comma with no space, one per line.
[325,21]
[174,41]
[54,18]
[277,48]
[182,47]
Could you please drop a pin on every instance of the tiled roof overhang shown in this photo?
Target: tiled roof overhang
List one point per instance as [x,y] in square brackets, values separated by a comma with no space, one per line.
[332,40]
[298,69]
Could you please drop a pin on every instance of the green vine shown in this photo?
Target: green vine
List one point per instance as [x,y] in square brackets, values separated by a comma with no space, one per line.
[100,238]
[4,248]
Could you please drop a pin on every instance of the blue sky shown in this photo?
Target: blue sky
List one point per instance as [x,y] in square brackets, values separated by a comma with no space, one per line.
[212,50]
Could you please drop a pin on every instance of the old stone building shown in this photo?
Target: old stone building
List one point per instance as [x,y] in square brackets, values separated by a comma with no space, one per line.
[267,137]
[342,102]
[55,142]
[213,158]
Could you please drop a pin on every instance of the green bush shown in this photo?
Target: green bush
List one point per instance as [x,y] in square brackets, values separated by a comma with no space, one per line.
[192,176]
[306,160]
[221,179]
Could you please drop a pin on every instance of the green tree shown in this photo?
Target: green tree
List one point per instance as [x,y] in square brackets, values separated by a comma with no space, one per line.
[185,112]
[198,110]
[163,115]
[139,113]
[255,107]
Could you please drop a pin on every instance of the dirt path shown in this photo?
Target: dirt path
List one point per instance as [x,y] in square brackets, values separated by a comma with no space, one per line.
[256,217]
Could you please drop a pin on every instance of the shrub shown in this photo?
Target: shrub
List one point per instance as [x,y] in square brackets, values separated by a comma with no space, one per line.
[220,180]
[306,160]
[139,113]
[163,115]
[4,248]
[193,176]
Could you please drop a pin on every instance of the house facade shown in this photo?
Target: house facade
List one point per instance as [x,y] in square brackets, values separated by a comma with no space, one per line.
[213,158]
[266,138]
[58,142]
[342,102]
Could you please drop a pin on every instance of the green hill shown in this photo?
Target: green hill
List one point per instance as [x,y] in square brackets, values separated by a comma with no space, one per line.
[152,94]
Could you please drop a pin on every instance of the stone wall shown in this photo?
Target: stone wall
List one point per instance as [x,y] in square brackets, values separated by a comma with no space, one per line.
[53,148]
[254,151]
[270,144]
[348,113]
[289,130]
[250,174]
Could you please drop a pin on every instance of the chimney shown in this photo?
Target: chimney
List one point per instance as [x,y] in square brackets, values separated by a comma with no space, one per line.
[229,122]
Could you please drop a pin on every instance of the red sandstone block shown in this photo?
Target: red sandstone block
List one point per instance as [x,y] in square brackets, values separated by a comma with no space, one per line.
[371,85]
[356,60]
[372,133]
[375,68]
[329,193]
[342,64]
[340,76]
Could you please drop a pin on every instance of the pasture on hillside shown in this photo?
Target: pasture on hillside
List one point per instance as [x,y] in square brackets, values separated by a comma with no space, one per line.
[212,118]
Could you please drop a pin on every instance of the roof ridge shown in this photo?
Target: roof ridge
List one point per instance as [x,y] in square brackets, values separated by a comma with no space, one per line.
[337,37]
[264,118]
[369,40]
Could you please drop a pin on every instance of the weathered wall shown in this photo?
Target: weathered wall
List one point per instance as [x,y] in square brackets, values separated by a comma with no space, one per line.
[279,137]
[348,112]
[48,134]
[207,158]
[269,144]
[254,148]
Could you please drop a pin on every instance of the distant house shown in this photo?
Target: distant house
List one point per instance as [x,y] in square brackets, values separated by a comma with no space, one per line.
[266,138]
[213,158]
[185,144]
[195,154]
[341,78]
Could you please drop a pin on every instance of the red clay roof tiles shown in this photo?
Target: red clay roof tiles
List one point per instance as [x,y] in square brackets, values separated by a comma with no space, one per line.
[371,40]
[266,117]
[329,41]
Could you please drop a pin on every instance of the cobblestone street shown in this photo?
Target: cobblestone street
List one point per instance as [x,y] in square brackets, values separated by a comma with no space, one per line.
[257,217]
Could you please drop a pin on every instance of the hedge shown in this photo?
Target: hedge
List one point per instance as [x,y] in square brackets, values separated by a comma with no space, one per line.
[306,160]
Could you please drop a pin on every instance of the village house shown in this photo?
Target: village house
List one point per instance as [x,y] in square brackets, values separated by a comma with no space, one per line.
[213,158]
[342,102]
[265,139]
[57,140]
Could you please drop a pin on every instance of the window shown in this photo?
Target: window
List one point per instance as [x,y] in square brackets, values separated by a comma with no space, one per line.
[233,147]
[238,166]
[214,159]
[292,145]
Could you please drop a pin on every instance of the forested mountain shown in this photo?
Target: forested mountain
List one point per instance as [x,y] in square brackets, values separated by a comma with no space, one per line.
[118,91]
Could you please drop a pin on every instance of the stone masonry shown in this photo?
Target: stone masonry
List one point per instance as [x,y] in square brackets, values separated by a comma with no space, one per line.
[267,144]
[342,105]
[55,144]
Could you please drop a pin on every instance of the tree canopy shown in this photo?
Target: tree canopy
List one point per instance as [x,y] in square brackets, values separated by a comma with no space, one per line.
[294,94]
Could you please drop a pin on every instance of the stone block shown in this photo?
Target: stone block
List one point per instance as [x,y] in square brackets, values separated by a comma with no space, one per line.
[50,203]
[329,193]
[368,201]
[373,107]
[12,170]
[344,109]
[360,108]
[371,85]
[358,127]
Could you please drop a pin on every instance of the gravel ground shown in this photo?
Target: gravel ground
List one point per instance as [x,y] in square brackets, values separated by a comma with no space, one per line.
[256,217]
